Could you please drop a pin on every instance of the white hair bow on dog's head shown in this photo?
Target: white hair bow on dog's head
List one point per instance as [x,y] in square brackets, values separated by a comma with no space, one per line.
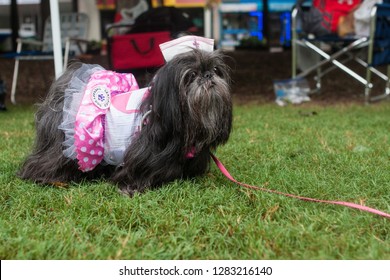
[185,44]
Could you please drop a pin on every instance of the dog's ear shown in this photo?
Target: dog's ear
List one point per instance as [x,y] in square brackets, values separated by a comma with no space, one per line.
[165,99]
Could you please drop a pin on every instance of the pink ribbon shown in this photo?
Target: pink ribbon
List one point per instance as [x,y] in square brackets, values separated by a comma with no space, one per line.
[89,126]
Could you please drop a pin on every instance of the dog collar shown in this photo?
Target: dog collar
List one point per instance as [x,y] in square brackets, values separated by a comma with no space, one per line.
[144,120]
[191,153]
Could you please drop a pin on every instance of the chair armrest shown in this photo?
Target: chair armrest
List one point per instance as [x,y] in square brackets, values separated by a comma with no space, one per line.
[381,13]
[294,18]
[78,41]
[383,9]
[300,7]
[30,42]
[68,41]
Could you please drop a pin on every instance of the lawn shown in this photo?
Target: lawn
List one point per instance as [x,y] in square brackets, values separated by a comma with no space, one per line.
[335,153]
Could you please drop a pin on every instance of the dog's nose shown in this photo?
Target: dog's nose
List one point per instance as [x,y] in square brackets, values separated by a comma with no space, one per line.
[207,75]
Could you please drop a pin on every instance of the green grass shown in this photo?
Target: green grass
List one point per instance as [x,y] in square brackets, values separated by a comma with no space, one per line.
[339,153]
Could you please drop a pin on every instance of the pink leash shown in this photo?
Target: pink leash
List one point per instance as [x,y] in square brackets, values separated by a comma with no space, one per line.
[343,203]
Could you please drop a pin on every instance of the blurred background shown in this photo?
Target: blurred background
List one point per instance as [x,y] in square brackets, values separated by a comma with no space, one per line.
[233,23]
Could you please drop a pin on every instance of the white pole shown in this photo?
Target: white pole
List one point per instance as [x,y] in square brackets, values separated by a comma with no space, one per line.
[216,23]
[207,22]
[56,33]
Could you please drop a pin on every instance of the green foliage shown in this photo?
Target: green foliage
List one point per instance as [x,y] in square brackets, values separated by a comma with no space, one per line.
[336,153]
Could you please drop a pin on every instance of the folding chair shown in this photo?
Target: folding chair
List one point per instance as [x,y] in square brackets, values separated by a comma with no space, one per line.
[368,51]
[74,30]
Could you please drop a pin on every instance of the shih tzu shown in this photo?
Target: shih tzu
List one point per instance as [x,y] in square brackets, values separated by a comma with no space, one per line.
[96,123]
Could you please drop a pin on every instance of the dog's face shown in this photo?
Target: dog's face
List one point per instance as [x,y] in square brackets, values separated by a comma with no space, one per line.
[196,85]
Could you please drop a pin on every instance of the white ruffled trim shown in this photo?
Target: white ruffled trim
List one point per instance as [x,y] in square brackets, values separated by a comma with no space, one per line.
[72,100]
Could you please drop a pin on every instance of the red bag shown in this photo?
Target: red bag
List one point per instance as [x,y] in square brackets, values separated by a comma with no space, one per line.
[332,10]
[138,50]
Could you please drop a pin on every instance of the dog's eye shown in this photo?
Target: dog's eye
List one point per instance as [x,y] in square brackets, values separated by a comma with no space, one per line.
[192,76]
[217,71]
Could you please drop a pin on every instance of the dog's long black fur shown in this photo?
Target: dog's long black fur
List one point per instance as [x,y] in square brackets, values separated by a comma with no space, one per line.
[47,164]
[191,113]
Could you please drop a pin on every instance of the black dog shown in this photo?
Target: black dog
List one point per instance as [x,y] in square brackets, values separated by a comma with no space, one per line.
[187,114]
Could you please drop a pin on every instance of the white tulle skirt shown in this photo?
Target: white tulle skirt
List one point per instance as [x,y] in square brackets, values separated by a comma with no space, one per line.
[101,116]
[72,100]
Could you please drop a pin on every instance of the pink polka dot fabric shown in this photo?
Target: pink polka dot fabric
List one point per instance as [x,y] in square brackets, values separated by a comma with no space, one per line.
[89,125]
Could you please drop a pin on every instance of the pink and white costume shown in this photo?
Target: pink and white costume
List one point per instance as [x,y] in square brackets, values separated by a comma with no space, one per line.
[101,112]
[101,116]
